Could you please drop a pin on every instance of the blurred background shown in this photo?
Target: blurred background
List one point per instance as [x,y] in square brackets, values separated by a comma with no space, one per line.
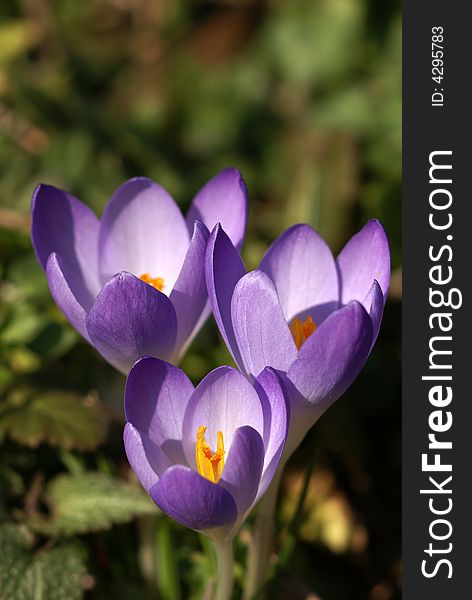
[304,97]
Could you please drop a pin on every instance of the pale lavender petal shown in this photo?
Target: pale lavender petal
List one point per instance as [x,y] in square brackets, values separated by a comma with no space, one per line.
[131,319]
[302,267]
[243,467]
[143,231]
[332,356]
[193,500]
[62,291]
[189,295]
[147,460]
[156,397]
[276,407]
[374,305]
[364,258]
[63,224]
[260,328]
[222,200]
[223,401]
[224,268]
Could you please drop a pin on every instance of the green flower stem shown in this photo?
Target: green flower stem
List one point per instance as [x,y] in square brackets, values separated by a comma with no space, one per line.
[156,557]
[167,577]
[225,575]
[288,547]
[262,540]
[146,549]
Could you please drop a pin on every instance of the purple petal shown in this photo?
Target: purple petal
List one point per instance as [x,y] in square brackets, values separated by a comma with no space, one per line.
[374,305]
[327,364]
[189,295]
[193,500]
[147,460]
[260,328]
[332,356]
[364,258]
[143,231]
[276,408]
[63,224]
[131,319]
[224,268]
[62,291]
[303,270]
[222,200]
[223,401]
[243,467]
[156,396]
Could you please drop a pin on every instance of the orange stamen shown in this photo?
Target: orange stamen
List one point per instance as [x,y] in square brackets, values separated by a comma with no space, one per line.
[156,282]
[301,331]
[209,465]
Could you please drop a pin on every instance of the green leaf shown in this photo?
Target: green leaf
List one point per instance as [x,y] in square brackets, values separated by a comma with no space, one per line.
[22,325]
[59,418]
[15,38]
[54,340]
[90,502]
[53,574]
[314,41]
[22,360]
[27,276]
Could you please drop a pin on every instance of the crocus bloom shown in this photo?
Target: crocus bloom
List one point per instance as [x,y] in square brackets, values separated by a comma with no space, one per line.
[133,282]
[206,454]
[302,312]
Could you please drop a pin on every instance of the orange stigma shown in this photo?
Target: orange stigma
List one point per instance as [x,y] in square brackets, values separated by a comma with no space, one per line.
[156,282]
[209,465]
[301,331]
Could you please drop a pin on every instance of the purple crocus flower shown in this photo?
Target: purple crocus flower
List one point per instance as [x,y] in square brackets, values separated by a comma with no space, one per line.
[133,282]
[302,312]
[206,454]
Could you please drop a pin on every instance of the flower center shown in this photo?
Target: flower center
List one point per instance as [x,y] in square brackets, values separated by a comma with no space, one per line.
[156,282]
[209,465]
[301,331]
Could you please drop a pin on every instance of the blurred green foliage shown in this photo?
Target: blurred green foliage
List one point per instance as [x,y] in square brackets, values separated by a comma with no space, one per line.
[55,574]
[304,97]
[89,502]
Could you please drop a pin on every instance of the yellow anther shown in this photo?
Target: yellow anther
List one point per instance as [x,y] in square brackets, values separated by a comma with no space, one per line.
[156,282]
[209,465]
[301,331]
